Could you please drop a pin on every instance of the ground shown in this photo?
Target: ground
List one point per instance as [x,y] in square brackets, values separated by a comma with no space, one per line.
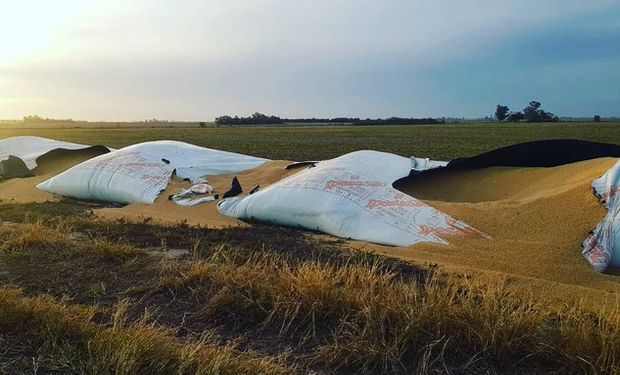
[83,295]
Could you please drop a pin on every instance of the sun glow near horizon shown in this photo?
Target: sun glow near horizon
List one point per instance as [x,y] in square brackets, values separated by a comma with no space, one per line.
[32,30]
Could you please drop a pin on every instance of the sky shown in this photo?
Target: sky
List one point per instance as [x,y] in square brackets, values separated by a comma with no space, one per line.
[120,60]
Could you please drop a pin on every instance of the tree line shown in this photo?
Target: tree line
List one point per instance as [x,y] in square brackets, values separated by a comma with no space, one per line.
[531,113]
[37,118]
[261,119]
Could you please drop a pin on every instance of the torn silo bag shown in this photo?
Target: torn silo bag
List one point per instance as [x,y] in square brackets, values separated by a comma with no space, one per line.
[423,164]
[138,173]
[28,149]
[13,167]
[351,197]
[602,247]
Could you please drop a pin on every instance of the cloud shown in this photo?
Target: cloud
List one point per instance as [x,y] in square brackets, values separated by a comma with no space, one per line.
[200,59]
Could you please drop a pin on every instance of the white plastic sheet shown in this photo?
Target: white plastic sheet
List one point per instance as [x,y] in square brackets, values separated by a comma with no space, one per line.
[30,148]
[422,164]
[138,173]
[602,247]
[351,197]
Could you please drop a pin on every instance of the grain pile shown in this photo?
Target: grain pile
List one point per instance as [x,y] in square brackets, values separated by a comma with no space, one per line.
[537,217]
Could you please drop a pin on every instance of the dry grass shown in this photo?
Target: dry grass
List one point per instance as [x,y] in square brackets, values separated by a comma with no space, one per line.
[37,234]
[268,300]
[69,335]
[107,250]
[364,318]
[60,234]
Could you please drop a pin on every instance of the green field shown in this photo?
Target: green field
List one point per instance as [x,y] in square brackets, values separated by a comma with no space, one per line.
[307,143]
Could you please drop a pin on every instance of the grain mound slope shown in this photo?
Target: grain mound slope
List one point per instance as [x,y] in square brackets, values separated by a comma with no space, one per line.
[537,217]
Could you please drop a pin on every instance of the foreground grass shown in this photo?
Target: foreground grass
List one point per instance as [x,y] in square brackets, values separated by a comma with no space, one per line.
[91,297]
[67,338]
[442,142]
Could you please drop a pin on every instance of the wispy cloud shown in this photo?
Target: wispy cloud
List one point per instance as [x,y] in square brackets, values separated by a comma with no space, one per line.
[198,59]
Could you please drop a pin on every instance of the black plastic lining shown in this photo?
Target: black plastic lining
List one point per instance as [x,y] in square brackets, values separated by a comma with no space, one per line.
[548,153]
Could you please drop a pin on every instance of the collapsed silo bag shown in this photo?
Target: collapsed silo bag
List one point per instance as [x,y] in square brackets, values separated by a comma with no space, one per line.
[18,155]
[602,247]
[351,197]
[138,173]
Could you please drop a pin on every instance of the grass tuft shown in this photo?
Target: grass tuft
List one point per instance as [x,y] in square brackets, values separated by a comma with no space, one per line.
[109,251]
[69,334]
[36,235]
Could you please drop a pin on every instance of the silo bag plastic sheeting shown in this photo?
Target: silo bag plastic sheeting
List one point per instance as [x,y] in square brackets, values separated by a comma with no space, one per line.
[351,197]
[423,164]
[28,148]
[602,247]
[138,173]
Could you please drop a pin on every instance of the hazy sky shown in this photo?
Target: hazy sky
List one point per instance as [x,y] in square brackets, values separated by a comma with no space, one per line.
[191,60]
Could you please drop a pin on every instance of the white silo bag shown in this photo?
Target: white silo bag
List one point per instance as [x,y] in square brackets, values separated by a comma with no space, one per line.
[138,173]
[351,197]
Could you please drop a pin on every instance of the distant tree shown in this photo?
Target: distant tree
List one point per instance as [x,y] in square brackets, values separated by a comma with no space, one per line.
[202,124]
[501,113]
[516,117]
[259,118]
[256,118]
[533,113]
[32,118]
[597,118]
